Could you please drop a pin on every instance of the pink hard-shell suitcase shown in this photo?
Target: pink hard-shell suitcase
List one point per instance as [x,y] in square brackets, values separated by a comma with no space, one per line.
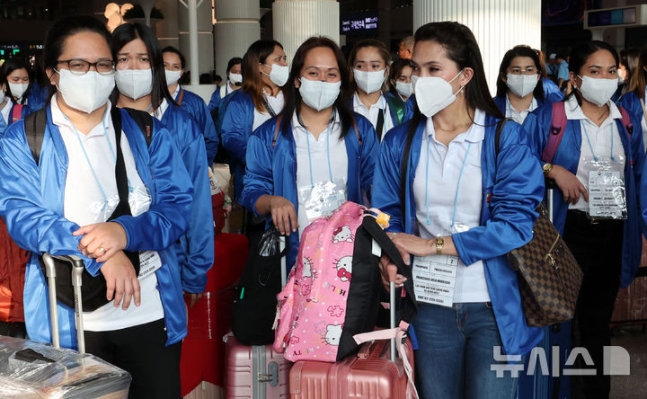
[255,372]
[369,374]
[376,372]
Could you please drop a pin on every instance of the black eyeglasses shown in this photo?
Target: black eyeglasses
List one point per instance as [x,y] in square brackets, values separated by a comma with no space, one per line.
[81,67]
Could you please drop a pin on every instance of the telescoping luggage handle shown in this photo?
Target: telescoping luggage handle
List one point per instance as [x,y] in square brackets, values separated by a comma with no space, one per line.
[77,271]
[395,334]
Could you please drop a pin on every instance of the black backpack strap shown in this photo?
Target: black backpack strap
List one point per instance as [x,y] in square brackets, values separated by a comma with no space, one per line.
[380,124]
[497,136]
[144,120]
[35,125]
[413,126]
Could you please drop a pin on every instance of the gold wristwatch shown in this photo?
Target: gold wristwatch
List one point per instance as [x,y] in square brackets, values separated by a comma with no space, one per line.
[547,168]
[440,244]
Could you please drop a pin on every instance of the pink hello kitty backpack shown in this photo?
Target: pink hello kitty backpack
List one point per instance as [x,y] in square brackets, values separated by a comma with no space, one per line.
[333,292]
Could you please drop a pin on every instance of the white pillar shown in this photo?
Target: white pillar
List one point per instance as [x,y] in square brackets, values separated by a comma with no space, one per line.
[237,26]
[498,25]
[296,20]
[196,36]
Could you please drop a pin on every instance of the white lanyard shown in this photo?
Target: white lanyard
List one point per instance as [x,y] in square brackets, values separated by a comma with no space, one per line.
[327,132]
[458,184]
[87,158]
[588,139]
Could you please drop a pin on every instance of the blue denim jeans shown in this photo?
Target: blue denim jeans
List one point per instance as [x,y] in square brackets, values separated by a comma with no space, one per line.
[456,353]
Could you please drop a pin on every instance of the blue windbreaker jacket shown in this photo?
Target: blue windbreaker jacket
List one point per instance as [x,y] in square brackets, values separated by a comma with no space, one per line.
[195,252]
[513,187]
[538,124]
[197,108]
[273,170]
[32,199]
[235,121]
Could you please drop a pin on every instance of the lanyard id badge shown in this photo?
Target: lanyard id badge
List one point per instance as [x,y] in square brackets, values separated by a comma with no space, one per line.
[434,279]
[323,198]
[607,198]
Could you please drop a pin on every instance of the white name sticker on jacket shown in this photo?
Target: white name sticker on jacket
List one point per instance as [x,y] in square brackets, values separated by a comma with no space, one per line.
[434,277]
[149,262]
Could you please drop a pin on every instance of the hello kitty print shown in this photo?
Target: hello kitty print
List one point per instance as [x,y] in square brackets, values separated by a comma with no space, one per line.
[313,303]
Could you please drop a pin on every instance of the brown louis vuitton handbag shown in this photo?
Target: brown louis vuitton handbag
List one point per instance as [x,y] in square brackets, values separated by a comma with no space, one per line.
[549,276]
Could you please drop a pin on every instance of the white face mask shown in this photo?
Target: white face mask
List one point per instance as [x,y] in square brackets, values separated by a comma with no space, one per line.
[237,78]
[404,89]
[172,76]
[87,92]
[279,74]
[18,89]
[134,83]
[317,94]
[369,82]
[598,91]
[433,93]
[521,85]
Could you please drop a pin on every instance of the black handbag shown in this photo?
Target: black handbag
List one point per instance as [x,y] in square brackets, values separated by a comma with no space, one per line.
[255,302]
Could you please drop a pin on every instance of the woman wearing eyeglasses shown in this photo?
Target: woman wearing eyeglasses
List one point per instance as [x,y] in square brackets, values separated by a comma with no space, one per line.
[520,87]
[96,192]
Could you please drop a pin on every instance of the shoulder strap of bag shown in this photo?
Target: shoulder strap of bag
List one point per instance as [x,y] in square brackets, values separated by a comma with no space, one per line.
[626,121]
[35,124]
[380,124]
[497,135]
[120,167]
[277,129]
[359,138]
[413,126]
[16,112]
[143,119]
[557,128]
[397,107]
[180,97]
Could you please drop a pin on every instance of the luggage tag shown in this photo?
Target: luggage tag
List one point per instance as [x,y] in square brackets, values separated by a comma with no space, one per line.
[607,195]
[149,262]
[323,198]
[434,276]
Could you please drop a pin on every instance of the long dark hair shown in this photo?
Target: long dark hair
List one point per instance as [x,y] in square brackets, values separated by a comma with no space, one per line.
[125,34]
[381,49]
[580,54]
[63,29]
[396,69]
[171,49]
[257,53]
[519,51]
[233,62]
[635,61]
[14,64]
[293,97]
[461,47]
